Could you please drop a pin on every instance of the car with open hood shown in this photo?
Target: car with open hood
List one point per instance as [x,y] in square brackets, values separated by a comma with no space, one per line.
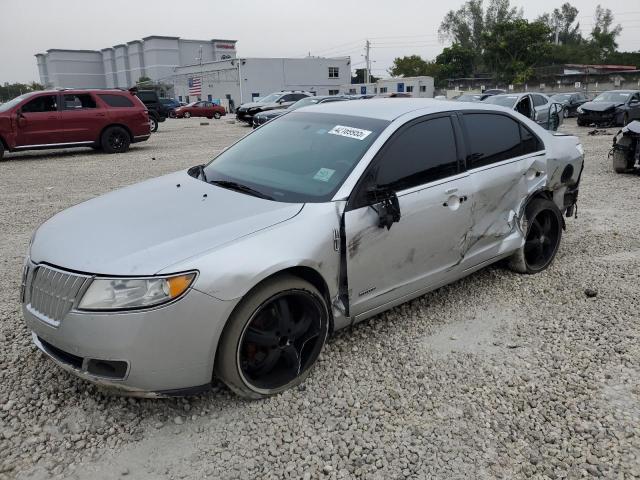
[273,101]
[615,107]
[241,268]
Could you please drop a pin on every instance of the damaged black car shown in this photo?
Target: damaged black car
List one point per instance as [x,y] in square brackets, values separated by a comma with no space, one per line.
[612,108]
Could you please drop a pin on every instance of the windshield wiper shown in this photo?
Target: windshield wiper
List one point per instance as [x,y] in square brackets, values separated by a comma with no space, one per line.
[241,188]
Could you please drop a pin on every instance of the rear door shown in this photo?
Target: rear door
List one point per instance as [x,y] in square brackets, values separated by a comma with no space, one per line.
[37,122]
[421,163]
[505,162]
[81,118]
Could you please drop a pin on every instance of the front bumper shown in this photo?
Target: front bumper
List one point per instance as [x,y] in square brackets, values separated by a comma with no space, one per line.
[151,352]
[598,118]
[245,116]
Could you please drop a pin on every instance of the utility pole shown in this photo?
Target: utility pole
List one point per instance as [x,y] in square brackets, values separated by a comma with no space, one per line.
[367,60]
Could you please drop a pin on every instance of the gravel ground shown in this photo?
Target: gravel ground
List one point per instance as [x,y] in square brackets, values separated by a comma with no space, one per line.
[496,376]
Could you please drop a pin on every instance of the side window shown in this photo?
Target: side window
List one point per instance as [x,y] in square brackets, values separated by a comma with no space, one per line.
[422,153]
[116,100]
[539,100]
[530,143]
[74,102]
[491,138]
[299,96]
[45,103]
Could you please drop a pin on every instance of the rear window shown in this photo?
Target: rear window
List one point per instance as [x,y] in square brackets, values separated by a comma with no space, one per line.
[493,138]
[116,100]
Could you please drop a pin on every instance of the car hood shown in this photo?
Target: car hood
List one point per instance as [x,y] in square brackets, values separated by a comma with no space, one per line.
[248,105]
[141,229]
[273,113]
[600,106]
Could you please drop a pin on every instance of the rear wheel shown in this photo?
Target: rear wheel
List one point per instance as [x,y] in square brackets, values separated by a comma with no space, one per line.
[115,140]
[273,338]
[217,115]
[187,115]
[153,123]
[542,239]
[1,150]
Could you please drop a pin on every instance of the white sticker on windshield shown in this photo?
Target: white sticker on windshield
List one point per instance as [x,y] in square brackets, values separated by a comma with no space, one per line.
[324,174]
[350,132]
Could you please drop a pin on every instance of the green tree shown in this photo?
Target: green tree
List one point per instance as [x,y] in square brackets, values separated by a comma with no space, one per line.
[409,66]
[562,23]
[467,25]
[604,34]
[456,61]
[361,76]
[144,79]
[514,48]
[12,90]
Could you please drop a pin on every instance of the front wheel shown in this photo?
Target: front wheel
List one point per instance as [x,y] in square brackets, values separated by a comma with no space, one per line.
[217,115]
[115,140]
[542,239]
[273,338]
[1,150]
[153,124]
[187,115]
[625,119]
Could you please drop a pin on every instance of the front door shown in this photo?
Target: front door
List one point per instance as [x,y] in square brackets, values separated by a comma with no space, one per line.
[81,120]
[37,122]
[421,164]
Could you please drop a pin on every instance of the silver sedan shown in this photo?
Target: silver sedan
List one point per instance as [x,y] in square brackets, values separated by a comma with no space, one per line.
[241,268]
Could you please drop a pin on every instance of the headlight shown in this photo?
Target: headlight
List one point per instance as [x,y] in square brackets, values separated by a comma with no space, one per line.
[580,110]
[130,293]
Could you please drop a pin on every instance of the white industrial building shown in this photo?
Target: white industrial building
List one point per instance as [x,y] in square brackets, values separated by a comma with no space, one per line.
[121,66]
[245,79]
[422,87]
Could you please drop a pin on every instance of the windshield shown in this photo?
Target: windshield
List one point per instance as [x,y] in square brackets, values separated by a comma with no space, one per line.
[561,97]
[270,98]
[503,100]
[304,102]
[616,97]
[12,103]
[298,157]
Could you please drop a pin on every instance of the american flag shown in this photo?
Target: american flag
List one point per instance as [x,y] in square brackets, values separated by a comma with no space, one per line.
[195,86]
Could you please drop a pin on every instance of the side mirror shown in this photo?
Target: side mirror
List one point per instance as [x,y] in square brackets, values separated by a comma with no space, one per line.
[385,202]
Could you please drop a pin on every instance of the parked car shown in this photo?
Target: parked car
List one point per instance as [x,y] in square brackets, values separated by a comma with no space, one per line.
[200,109]
[313,222]
[170,104]
[470,97]
[284,99]
[157,111]
[106,119]
[615,107]
[536,106]
[264,117]
[625,152]
[570,102]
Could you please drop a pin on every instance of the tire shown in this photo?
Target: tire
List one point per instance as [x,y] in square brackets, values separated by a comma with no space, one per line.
[153,122]
[1,150]
[277,361]
[115,140]
[209,118]
[187,115]
[217,115]
[625,119]
[581,123]
[542,239]
[565,113]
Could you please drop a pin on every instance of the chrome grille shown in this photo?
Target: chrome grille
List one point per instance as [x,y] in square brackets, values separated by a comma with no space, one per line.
[52,293]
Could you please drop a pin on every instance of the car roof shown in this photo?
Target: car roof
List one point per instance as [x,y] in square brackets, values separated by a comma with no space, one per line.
[392,108]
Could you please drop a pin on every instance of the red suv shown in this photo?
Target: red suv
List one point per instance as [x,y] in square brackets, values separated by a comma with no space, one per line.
[107,119]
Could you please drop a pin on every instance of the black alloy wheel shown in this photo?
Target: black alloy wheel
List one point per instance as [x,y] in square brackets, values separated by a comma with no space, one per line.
[543,232]
[281,340]
[115,140]
[542,240]
[273,337]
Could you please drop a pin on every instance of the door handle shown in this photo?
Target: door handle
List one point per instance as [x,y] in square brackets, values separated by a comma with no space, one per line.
[100,114]
[53,117]
[449,191]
